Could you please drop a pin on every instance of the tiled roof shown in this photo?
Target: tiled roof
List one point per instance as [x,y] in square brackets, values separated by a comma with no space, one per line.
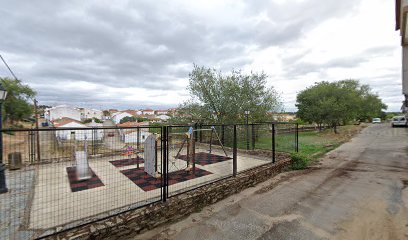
[63,121]
[133,124]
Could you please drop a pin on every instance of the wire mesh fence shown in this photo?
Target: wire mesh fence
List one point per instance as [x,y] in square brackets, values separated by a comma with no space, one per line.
[74,176]
[60,178]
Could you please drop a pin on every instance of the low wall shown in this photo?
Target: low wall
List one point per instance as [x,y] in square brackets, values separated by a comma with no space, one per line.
[175,208]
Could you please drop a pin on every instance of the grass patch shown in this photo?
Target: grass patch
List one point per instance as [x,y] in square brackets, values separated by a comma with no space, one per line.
[312,145]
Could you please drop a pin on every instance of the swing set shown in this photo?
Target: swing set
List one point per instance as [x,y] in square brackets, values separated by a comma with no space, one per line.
[190,144]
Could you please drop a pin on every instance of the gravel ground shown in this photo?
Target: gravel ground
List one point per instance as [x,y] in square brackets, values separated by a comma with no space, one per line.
[15,204]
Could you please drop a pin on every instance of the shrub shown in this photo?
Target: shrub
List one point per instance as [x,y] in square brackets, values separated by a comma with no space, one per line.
[299,161]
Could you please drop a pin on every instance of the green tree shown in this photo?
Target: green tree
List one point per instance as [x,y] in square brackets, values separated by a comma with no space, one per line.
[133,119]
[88,120]
[335,103]
[17,105]
[223,98]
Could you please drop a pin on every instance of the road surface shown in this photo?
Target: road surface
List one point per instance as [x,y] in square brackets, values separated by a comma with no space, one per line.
[358,191]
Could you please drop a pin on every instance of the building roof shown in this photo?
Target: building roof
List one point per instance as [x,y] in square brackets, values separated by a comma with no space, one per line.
[132,112]
[133,124]
[148,110]
[64,121]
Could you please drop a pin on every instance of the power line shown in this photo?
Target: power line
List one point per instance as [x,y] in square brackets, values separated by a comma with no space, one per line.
[4,61]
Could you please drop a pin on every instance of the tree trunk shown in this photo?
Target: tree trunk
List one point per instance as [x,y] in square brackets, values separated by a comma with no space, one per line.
[335,128]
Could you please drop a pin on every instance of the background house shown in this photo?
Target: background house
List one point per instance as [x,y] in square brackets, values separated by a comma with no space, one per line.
[87,113]
[63,133]
[97,133]
[116,117]
[163,117]
[161,112]
[129,135]
[401,24]
[148,112]
[62,111]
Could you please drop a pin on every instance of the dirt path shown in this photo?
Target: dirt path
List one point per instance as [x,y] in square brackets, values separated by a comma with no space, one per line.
[359,191]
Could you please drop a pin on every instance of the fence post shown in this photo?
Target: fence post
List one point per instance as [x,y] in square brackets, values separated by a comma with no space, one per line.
[138,139]
[273,143]
[234,153]
[164,162]
[297,137]
[94,141]
[195,135]
[253,137]
[223,134]
[201,133]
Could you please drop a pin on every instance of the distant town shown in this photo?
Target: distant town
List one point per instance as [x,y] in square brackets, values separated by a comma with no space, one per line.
[64,116]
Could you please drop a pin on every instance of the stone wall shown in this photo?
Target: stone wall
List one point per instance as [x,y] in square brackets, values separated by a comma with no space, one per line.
[175,208]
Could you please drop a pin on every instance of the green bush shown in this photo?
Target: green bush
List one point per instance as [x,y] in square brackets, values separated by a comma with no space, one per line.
[299,161]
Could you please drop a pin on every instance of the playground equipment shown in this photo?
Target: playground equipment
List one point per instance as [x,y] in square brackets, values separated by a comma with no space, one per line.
[189,145]
[129,151]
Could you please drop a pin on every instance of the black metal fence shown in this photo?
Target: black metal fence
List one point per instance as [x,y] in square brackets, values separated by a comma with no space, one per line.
[61,178]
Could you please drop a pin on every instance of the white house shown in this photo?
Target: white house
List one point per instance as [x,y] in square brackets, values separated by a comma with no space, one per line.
[62,111]
[148,112]
[97,133]
[85,133]
[401,24]
[87,113]
[130,136]
[116,117]
[161,112]
[63,133]
[163,117]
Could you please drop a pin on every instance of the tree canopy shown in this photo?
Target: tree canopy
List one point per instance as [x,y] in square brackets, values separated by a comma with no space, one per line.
[223,98]
[133,119]
[334,103]
[17,105]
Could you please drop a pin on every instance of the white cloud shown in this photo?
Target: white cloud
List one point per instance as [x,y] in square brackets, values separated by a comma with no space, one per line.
[135,54]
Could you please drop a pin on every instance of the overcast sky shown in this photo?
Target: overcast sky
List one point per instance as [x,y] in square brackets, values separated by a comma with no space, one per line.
[131,54]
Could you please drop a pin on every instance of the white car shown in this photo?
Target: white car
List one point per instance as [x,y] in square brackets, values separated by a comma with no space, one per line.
[399,121]
[376,120]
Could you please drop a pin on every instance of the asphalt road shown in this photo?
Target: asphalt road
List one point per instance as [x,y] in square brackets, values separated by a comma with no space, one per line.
[358,191]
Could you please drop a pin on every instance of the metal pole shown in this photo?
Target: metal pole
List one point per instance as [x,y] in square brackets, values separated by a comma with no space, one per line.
[201,133]
[195,135]
[193,138]
[211,139]
[247,132]
[297,137]
[223,134]
[3,185]
[253,137]
[38,132]
[273,143]
[164,163]
[138,139]
[234,153]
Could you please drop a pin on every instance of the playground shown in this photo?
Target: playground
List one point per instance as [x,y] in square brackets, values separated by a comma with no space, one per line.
[66,194]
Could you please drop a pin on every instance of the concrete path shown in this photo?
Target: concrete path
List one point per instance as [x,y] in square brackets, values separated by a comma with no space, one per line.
[357,192]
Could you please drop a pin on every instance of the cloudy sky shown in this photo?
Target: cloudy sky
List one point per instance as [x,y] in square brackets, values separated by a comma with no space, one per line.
[135,54]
